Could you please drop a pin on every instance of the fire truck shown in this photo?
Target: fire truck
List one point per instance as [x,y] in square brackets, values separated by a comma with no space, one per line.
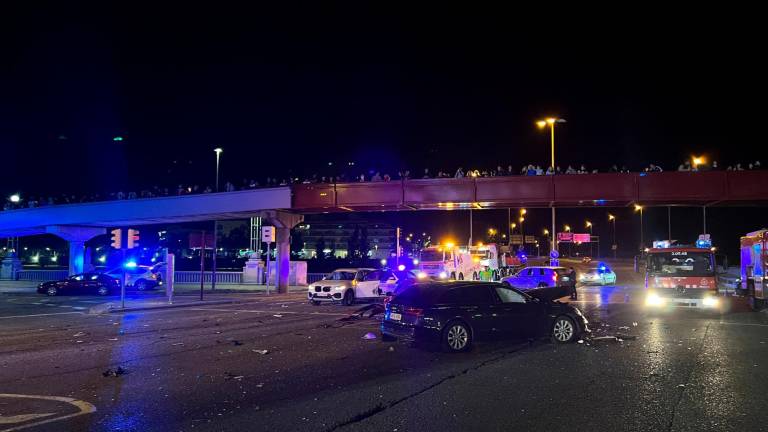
[754,260]
[459,263]
[681,276]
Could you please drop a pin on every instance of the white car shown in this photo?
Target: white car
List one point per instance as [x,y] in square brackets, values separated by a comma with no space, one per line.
[343,285]
[598,275]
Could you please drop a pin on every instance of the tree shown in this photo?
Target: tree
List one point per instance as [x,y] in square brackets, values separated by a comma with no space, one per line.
[363,247]
[353,243]
[297,242]
[319,248]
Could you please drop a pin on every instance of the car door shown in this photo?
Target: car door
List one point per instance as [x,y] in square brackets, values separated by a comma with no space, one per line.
[387,283]
[522,279]
[477,306]
[368,286]
[516,317]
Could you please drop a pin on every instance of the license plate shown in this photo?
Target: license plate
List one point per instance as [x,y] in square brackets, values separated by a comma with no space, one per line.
[395,316]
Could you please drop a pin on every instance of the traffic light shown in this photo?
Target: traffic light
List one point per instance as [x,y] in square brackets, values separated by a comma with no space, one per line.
[117,241]
[133,238]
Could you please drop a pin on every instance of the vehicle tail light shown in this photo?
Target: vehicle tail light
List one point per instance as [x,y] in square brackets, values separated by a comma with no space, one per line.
[554,277]
[414,311]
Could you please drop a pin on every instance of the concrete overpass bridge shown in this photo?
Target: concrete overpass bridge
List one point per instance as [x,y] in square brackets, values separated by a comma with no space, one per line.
[283,206]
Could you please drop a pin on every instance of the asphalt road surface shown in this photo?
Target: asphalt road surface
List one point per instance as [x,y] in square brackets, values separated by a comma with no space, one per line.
[279,364]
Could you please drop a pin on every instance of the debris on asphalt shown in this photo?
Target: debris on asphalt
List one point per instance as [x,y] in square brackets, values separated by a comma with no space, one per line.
[113,339]
[114,372]
[177,343]
[605,339]
[369,336]
[262,352]
[623,328]
[581,341]
[236,342]
[277,316]
[285,306]
[626,336]
[231,376]
[681,385]
[79,341]
[634,324]
[78,334]
[391,349]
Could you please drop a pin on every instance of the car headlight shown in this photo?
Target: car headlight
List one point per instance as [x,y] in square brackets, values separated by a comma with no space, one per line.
[653,299]
[711,301]
[443,275]
[421,275]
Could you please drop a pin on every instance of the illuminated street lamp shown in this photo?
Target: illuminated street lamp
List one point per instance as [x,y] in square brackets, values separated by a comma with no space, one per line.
[696,161]
[218,151]
[589,225]
[15,198]
[551,121]
[567,228]
[522,232]
[640,209]
[612,218]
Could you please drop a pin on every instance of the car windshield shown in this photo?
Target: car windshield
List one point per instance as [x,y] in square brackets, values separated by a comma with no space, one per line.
[431,255]
[341,275]
[680,263]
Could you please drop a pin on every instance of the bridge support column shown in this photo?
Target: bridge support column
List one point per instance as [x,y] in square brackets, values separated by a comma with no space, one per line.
[283,221]
[283,259]
[76,236]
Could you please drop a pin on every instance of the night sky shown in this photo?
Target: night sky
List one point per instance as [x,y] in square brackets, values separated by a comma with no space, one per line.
[284,92]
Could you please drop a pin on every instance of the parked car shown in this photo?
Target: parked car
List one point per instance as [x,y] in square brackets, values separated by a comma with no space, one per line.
[83,283]
[549,282]
[601,275]
[457,314]
[140,277]
[342,285]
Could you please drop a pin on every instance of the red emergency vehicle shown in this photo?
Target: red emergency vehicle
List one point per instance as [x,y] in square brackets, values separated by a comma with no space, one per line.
[681,276]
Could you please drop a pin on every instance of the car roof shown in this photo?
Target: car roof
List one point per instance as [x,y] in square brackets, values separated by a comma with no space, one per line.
[353,269]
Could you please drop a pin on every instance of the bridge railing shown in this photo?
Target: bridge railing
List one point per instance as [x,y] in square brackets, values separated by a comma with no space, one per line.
[221,277]
[41,275]
[314,277]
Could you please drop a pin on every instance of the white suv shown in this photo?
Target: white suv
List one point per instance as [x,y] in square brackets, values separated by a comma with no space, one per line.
[344,285]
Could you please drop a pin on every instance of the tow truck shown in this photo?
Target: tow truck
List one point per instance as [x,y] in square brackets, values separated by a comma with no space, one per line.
[459,263]
[681,276]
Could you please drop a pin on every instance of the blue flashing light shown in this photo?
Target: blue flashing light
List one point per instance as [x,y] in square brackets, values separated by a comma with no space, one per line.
[704,244]
[130,264]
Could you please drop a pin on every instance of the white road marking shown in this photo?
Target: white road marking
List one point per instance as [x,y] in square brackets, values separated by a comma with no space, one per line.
[84,407]
[21,418]
[272,312]
[39,315]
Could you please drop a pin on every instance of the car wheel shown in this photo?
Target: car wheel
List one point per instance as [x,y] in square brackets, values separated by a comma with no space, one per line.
[564,330]
[315,302]
[457,337]
[349,298]
[461,276]
[51,291]
[140,285]
[102,291]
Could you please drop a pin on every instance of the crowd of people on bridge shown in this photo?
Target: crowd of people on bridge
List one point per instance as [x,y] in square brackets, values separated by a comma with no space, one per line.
[20,201]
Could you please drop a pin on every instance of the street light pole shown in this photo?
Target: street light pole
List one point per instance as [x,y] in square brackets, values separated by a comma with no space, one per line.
[612,218]
[218,151]
[542,124]
[640,209]
[589,225]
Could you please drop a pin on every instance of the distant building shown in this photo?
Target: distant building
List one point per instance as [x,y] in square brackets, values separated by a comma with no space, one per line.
[334,235]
